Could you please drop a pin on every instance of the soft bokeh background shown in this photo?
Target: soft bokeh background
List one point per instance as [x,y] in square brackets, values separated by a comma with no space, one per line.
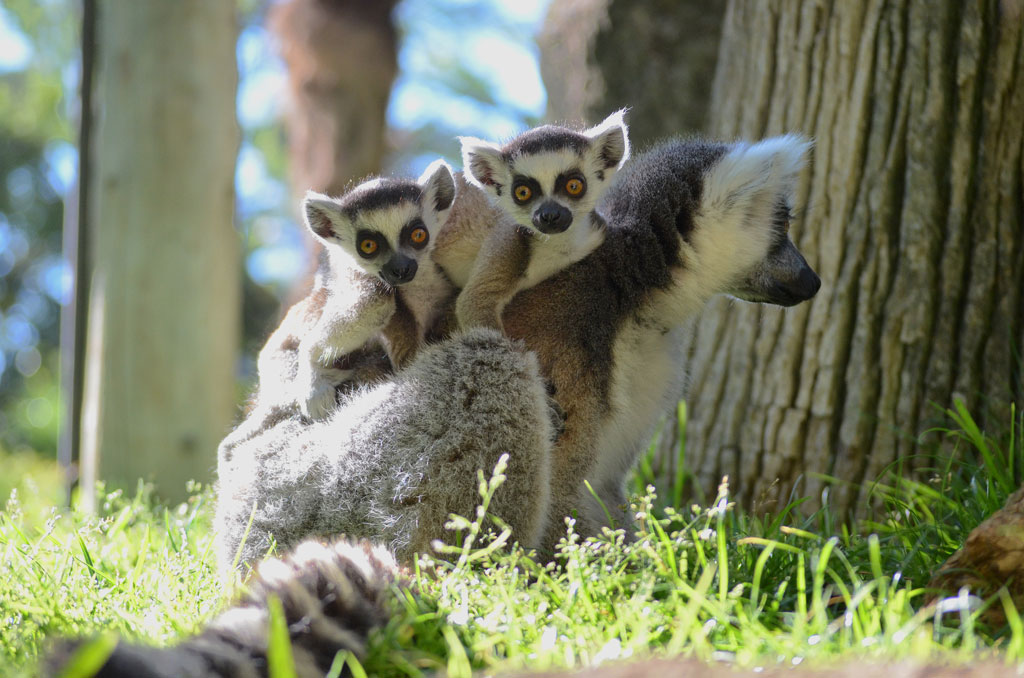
[922,288]
[464,68]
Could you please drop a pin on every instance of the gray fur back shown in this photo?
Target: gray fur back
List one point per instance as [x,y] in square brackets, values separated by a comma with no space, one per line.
[395,459]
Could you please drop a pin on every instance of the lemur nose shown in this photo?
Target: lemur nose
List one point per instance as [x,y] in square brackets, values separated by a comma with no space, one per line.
[399,270]
[552,218]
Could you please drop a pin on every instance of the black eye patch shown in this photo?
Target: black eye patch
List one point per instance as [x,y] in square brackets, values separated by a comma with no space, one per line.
[781,216]
[415,234]
[576,189]
[525,189]
[370,244]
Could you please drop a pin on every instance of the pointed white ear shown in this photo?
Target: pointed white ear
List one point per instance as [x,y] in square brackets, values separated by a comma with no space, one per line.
[323,216]
[438,186]
[751,180]
[482,163]
[609,142]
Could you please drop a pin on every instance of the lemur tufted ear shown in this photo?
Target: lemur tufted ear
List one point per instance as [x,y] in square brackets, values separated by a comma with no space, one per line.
[751,181]
[609,142]
[325,217]
[483,164]
[438,186]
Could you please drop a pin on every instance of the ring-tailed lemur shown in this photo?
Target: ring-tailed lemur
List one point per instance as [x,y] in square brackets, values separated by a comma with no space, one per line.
[376,280]
[686,221]
[548,180]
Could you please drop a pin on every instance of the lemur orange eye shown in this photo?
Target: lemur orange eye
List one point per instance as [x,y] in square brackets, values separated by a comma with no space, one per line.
[367,246]
[522,192]
[574,187]
[418,236]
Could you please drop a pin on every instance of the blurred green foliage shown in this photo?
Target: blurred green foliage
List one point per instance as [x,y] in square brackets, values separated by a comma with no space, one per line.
[36,481]
[35,157]
[464,68]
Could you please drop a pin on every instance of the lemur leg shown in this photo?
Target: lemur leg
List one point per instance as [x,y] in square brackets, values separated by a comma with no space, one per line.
[572,464]
[401,335]
[495,278]
[276,362]
[337,333]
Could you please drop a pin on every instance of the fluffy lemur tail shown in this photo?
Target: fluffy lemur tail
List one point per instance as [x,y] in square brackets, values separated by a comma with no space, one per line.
[332,597]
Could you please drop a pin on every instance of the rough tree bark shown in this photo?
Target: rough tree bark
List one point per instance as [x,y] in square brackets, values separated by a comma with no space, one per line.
[165,265]
[914,220]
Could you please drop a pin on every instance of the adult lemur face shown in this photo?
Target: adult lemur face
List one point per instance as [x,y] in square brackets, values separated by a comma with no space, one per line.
[385,225]
[737,239]
[548,177]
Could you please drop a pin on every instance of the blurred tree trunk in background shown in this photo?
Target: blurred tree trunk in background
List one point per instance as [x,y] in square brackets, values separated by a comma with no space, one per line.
[341,59]
[656,57]
[341,64]
[914,219]
[163,316]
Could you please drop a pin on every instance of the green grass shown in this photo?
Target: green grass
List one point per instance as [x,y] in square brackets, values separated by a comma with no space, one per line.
[710,582]
[136,568]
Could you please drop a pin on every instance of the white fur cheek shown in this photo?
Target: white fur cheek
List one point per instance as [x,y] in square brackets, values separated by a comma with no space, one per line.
[587,203]
[523,215]
[723,253]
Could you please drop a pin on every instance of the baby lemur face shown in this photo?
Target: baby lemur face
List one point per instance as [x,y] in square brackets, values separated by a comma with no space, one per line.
[385,225]
[549,177]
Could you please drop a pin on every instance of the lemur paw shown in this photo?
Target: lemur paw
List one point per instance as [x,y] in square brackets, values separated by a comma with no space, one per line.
[319,392]
[555,411]
[319,402]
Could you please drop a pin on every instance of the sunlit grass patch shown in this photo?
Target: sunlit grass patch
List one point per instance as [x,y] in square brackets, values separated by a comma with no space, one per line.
[136,568]
[711,582]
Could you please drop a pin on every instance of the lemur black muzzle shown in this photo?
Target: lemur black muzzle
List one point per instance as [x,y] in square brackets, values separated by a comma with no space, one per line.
[793,280]
[799,288]
[399,270]
[551,218]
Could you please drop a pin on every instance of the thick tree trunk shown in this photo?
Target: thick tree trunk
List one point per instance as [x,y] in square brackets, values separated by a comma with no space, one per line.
[572,77]
[914,219]
[163,303]
[341,64]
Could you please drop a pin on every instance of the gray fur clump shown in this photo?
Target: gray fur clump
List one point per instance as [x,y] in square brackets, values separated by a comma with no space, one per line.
[332,597]
[395,459]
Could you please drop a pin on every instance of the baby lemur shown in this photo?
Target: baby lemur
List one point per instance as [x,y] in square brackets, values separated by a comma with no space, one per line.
[543,187]
[376,280]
